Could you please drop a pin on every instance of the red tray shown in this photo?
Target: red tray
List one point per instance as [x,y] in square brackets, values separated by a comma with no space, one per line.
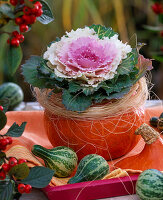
[93,189]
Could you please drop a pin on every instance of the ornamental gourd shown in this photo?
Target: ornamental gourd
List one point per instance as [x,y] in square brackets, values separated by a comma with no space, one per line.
[13,93]
[91,167]
[150,185]
[62,160]
[151,156]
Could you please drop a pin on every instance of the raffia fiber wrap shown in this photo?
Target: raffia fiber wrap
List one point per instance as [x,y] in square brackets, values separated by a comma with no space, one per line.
[133,100]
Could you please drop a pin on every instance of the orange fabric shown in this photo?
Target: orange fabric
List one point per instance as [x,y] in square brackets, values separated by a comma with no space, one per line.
[35,134]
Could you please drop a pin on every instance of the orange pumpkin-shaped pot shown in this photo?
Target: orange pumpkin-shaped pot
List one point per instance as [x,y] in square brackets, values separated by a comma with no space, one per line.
[111,138]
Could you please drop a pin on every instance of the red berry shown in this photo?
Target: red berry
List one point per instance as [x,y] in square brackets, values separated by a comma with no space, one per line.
[15,42]
[20,37]
[32,19]
[21,188]
[39,13]
[18,20]
[20,161]
[2,147]
[15,33]
[26,19]
[28,188]
[157,8]
[1,108]
[3,142]
[27,10]
[161,48]
[12,161]
[14,2]
[2,175]
[38,4]
[35,9]
[6,167]
[9,140]
[8,41]
[23,28]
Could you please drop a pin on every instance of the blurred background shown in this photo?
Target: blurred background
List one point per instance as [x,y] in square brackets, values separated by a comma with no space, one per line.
[125,16]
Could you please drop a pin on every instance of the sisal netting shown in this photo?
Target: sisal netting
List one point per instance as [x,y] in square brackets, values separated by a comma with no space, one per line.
[133,100]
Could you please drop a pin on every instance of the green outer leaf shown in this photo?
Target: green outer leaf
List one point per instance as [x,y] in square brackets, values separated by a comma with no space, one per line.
[20,171]
[129,63]
[74,87]
[6,189]
[3,120]
[57,40]
[78,102]
[120,94]
[15,130]
[39,177]
[7,10]
[30,71]
[47,15]
[14,58]
[102,31]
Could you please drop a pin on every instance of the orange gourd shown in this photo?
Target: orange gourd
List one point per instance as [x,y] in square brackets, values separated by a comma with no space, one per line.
[111,138]
[151,156]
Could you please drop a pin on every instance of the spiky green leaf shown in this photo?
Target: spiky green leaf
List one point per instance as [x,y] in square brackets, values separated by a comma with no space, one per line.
[102,31]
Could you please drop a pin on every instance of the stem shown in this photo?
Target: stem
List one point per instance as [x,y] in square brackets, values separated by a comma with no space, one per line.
[148,133]
[1,32]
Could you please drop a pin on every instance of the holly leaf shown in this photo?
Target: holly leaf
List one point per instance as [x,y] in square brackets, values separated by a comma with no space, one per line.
[7,10]
[3,120]
[15,130]
[2,155]
[20,171]
[47,15]
[102,31]
[39,177]
[129,63]
[76,102]
[6,189]
[5,104]
[13,58]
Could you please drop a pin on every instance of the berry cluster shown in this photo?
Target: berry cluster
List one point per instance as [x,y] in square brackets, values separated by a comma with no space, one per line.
[11,162]
[7,166]
[4,142]
[28,18]
[15,39]
[157,8]
[24,188]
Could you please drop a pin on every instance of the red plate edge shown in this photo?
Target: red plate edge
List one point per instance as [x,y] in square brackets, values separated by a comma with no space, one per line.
[93,189]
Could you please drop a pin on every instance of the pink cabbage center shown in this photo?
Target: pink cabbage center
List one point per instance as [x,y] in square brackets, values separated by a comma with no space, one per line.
[87,54]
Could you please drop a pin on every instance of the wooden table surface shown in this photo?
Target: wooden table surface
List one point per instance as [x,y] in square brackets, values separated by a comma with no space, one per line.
[39,195]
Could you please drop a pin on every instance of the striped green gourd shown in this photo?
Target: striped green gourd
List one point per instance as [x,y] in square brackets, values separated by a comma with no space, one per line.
[12,92]
[61,159]
[91,167]
[149,185]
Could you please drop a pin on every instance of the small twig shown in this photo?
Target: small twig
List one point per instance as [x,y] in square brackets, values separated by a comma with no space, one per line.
[1,32]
